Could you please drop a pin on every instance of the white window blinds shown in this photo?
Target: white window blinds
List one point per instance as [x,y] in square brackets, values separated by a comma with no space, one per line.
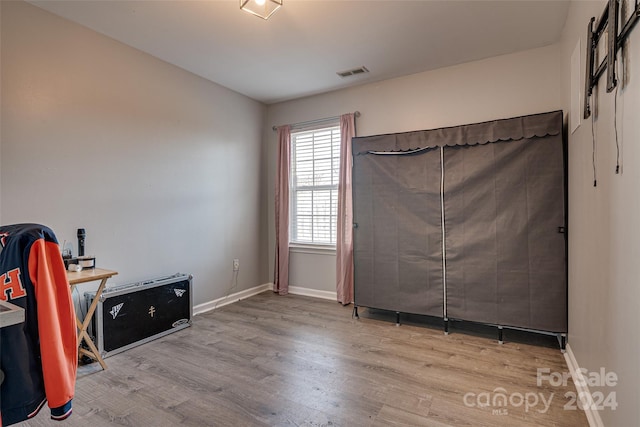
[315,163]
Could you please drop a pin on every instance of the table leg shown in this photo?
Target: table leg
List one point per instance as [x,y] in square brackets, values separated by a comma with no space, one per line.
[93,352]
[82,328]
[78,321]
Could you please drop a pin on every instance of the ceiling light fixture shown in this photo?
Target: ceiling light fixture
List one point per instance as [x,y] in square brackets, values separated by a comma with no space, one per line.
[262,8]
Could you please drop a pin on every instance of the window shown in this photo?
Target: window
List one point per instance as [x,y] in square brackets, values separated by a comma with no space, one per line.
[315,168]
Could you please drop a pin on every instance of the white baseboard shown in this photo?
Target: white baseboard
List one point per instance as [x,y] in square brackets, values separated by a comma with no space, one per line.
[308,292]
[230,299]
[297,290]
[593,416]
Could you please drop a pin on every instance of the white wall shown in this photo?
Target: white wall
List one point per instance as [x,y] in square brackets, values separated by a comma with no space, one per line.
[501,87]
[161,167]
[604,235]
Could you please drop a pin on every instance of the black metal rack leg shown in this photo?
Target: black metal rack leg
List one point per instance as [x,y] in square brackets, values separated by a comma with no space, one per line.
[500,341]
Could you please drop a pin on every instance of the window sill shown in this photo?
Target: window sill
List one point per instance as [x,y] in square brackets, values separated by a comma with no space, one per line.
[312,249]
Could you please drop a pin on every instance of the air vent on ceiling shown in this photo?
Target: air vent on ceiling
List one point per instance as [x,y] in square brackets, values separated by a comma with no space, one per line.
[355,71]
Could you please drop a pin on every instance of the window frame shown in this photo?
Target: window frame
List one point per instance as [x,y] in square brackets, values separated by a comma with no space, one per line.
[314,247]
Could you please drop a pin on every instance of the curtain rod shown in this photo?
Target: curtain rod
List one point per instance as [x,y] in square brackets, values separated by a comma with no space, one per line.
[310,122]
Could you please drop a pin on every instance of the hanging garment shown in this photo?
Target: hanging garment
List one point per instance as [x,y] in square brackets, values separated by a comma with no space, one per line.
[38,357]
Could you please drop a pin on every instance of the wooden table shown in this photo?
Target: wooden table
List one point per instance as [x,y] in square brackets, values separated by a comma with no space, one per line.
[84,276]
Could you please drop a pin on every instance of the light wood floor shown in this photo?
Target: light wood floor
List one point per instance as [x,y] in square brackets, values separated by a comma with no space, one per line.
[298,361]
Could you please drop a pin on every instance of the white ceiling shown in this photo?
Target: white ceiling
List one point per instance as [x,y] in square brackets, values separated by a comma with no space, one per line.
[298,51]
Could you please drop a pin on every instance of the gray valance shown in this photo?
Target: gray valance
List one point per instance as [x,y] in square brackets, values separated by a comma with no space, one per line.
[514,129]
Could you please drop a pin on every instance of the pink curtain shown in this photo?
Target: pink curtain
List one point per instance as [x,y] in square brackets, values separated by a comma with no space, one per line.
[344,243]
[281,270]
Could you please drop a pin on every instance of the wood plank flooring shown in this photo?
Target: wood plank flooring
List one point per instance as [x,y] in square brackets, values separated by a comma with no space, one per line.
[297,361]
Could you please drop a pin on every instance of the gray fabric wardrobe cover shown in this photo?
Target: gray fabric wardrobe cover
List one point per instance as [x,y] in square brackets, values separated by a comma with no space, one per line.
[398,238]
[503,192]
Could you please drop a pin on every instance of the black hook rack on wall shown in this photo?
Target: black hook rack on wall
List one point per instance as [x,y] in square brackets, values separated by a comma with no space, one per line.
[609,22]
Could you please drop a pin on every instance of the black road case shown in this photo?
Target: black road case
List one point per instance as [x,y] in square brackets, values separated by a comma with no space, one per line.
[130,315]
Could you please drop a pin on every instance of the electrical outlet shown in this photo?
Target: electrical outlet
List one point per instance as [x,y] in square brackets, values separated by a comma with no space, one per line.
[236,264]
